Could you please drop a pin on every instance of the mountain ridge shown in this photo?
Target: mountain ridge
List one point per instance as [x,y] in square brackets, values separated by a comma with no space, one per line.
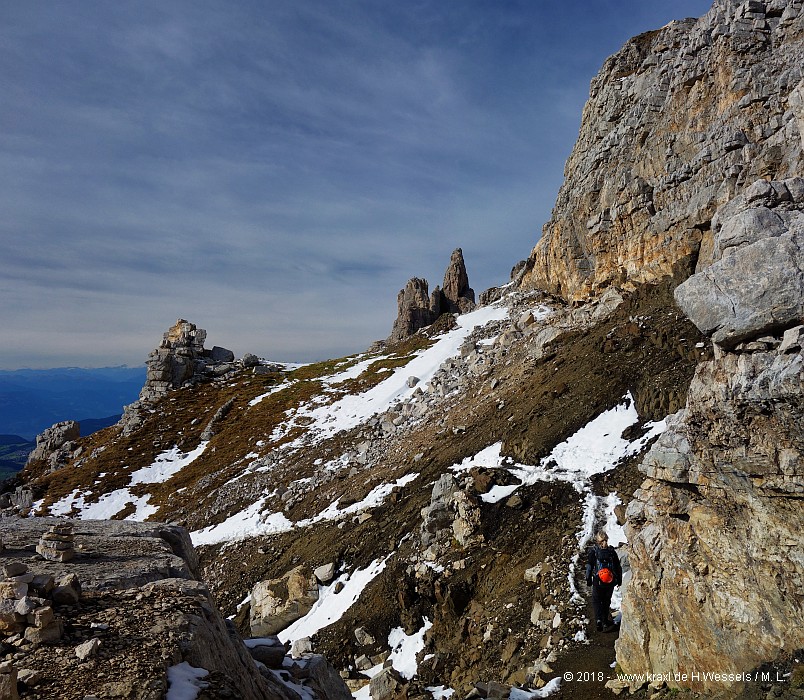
[450,484]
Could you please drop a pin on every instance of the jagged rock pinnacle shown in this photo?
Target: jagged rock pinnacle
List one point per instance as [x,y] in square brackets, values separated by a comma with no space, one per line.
[415,309]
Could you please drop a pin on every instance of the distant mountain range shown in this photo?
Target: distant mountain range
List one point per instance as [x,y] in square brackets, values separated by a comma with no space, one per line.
[14,452]
[33,399]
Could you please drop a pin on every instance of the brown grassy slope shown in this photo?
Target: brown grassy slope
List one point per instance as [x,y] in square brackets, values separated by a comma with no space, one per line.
[646,347]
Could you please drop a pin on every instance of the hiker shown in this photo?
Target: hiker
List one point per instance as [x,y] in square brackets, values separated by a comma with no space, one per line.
[603,573]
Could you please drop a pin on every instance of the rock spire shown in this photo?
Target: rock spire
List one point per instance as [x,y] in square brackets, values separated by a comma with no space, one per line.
[417,308]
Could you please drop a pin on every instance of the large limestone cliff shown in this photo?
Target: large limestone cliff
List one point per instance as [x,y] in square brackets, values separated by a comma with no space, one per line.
[677,123]
[715,531]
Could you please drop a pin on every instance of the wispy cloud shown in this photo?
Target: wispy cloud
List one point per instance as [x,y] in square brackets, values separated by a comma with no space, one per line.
[275,171]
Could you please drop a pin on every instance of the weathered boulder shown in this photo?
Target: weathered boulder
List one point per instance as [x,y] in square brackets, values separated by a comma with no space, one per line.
[756,283]
[51,441]
[277,603]
[324,679]
[219,354]
[325,573]
[676,123]
[269,651]
[386,685]
[8,681]
[250,360]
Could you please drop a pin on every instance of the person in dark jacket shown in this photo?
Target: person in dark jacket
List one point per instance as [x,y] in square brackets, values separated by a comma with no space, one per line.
[603,573]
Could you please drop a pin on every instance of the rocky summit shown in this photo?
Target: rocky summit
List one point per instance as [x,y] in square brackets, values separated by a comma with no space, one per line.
[413,521]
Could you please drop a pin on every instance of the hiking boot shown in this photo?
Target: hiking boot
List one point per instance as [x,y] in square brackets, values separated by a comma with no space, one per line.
[599,626]
[609,628]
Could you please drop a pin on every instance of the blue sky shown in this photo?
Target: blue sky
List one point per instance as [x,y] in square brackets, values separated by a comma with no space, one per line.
[275,171]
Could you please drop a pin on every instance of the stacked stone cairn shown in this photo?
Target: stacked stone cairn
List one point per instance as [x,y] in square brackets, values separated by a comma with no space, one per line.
[26,610]
[27,617]
[57,544]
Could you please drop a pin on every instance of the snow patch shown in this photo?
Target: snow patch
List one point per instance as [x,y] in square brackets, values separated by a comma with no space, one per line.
[247,523]
[404,649]
[546,691]
[375,498]
[251,521]
[594,449]
[274,390]
[167,465]
[184,681]
[353,409]
[330,606]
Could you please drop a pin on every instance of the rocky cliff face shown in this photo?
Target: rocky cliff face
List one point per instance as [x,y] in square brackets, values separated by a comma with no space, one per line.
[715,531]
[677,123]
[55,443]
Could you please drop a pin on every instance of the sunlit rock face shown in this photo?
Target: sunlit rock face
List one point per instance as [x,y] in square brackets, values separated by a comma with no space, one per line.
[678,122]
[715,530]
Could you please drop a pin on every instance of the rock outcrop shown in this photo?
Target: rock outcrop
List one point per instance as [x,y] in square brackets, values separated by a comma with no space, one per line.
[715,530]
[180,360]
[677,123]
[417,308]
[755,284]
[452,514]
[175,361]
[56,442]
[129,602]
[277,603]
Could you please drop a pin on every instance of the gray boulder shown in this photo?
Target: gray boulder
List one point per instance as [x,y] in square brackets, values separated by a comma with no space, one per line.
[54,438]
[386,684]
[250,360]
[756,283]
[325,680]
[219,354]
[277,603]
